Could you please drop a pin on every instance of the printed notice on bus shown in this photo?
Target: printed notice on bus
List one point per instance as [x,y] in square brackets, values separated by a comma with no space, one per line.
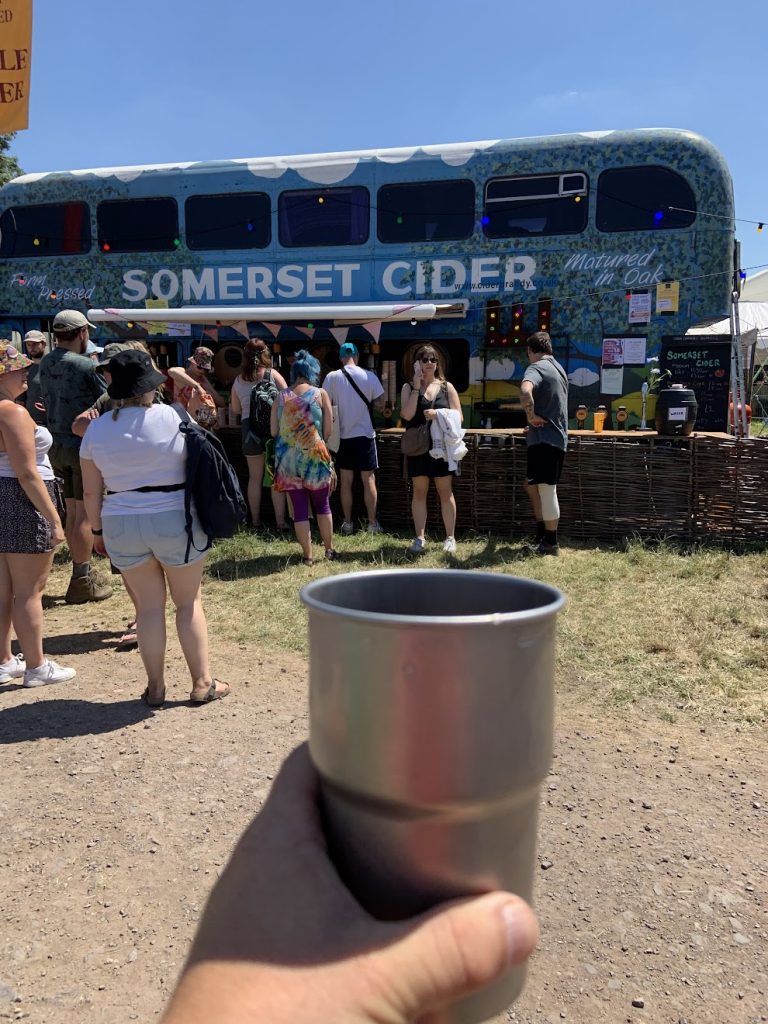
[640,308]
[612,380]
[668,297]
[155,326]
[634,351]
[613,351]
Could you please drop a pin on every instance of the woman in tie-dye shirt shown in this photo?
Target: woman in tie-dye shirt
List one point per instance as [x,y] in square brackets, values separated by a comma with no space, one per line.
[301,422]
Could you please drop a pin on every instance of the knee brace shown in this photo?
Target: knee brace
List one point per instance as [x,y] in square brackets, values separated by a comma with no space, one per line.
[550,507]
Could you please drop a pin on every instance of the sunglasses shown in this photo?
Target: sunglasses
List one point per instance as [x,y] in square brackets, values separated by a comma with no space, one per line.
[429,359]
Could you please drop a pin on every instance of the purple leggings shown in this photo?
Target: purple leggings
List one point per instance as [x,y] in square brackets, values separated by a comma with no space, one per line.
[300,502]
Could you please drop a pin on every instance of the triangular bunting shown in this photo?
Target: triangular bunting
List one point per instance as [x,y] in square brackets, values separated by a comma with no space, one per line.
[308,332]
[211,332]
[274,329]
[339,333]
[241,327]
[374,329]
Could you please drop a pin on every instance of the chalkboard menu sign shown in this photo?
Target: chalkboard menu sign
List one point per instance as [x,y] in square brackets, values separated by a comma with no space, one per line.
[703,364]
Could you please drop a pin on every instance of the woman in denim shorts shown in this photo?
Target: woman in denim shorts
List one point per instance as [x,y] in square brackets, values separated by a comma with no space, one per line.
[138,456]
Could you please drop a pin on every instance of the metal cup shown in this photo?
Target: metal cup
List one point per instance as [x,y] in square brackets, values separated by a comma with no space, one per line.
[431,722]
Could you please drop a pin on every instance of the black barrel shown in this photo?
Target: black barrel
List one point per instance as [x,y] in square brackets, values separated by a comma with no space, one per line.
[676,409]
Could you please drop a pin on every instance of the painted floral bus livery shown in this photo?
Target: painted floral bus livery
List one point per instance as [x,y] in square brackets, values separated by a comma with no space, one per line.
[577,234]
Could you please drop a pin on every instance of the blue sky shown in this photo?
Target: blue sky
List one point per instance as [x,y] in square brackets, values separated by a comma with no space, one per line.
[151,81]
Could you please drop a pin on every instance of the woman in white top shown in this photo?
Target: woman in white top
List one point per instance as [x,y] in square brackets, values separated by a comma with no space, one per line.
[31,529]
[138,455]
[257,364]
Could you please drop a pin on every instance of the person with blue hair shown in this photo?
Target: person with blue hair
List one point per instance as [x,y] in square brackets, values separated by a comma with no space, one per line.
[302,419]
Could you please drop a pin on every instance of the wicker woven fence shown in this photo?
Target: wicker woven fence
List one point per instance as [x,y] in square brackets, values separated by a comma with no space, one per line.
[698,488]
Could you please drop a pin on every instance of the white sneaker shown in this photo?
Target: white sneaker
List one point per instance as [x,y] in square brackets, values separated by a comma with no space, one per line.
[418,545]
[47,673]
[375,527]
[347,528]
[13,669]
[449,546]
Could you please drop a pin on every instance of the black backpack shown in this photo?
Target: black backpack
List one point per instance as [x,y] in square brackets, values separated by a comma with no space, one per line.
[212,485]
[263,397]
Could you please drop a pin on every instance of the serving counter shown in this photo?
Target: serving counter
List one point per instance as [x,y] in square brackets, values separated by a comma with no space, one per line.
[616,484]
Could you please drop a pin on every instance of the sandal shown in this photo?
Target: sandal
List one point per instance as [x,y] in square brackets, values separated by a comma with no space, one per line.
[151,703]
[331,555]
[212,694]
[128,641]
[307,561]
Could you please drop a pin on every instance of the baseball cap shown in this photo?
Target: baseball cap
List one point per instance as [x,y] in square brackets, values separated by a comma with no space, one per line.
[35,336]
[203,357]
[348,351]
[70,320]
[109,352]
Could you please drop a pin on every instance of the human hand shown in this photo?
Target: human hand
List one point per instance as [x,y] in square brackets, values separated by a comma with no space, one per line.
[98,546]
[57,534]
[282,940]
[536,421]
[430,414]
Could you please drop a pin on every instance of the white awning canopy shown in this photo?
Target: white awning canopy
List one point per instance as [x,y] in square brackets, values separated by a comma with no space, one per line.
[342,312]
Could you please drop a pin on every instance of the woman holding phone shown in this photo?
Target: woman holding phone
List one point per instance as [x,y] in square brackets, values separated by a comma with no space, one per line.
[420,399]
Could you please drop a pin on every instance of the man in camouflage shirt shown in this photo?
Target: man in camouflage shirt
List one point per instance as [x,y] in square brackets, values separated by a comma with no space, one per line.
[69,384]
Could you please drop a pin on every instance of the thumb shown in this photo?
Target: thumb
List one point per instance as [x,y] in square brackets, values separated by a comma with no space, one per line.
[457,949]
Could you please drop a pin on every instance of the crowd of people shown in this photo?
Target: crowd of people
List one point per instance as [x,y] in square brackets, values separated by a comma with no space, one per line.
[91,452]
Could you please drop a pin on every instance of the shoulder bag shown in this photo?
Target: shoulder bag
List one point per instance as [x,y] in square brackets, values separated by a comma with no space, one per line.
[418,440]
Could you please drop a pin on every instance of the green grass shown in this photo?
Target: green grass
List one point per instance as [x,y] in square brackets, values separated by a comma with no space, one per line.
[665,629]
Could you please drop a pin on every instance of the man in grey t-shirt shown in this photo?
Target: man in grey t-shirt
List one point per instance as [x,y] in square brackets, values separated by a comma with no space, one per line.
[544,398]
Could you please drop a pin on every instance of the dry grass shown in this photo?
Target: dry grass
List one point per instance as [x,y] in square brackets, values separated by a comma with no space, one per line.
[662,629]
[659,629]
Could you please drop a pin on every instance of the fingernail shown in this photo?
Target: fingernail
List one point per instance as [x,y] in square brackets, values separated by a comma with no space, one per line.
[521,930]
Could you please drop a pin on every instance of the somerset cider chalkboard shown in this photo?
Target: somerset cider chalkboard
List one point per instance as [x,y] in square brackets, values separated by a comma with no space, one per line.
[705,366]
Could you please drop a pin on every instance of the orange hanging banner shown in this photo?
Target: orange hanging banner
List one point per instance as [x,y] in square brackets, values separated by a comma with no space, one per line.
[15,64]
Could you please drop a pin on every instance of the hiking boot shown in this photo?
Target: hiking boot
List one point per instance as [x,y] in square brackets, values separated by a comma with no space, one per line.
[417,546]
[13,669]
[47,673]
[375,527]
[347,528]
[544,548]
[93,587]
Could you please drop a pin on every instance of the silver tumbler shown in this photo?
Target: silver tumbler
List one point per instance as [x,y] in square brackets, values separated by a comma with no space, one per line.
[431,723]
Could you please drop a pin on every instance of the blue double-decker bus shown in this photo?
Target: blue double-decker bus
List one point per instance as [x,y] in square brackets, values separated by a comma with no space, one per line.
[608,240]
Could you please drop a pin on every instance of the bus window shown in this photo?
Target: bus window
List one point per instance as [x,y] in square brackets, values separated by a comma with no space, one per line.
[138,225]
[240,220]
[639,199]
[55,229]
[552,204]
[327,216]
[430,211]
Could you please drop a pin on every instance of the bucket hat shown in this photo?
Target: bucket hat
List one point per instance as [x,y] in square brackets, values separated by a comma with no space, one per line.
[203,357]
[11,359]
[132,374]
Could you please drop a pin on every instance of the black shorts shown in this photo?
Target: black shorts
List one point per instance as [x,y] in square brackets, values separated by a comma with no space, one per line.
[357,453]
[66,466]
[545,464]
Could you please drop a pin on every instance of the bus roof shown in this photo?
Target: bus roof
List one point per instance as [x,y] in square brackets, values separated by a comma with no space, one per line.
[331,168]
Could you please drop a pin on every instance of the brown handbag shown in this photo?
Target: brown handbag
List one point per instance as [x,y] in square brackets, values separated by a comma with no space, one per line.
[415,440]
[418,440]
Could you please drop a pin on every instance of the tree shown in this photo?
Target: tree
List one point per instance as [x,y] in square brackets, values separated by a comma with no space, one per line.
[9,165]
